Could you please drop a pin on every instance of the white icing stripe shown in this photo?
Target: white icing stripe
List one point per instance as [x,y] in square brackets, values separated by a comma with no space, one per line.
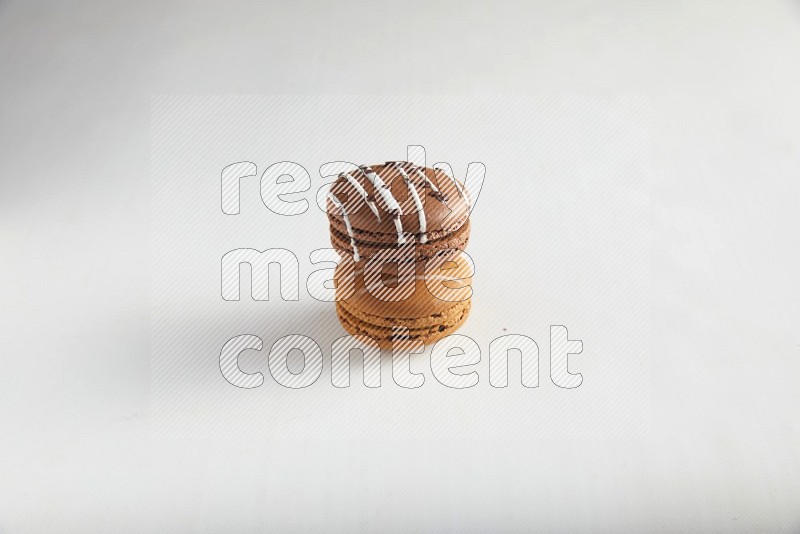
[417,204]
[383,191]
[361,191]
[452,179]
[401,239]
[388,198]
[427,181]
[339,205]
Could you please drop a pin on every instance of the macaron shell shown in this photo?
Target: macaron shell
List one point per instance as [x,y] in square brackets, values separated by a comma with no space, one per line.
[433,291]
[457,239]
[427,329]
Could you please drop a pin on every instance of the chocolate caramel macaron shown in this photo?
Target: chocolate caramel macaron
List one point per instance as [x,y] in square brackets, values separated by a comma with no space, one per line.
[380,207]
[405,228]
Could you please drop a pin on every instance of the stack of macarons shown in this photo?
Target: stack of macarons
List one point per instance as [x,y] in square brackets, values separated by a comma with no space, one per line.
[405,227]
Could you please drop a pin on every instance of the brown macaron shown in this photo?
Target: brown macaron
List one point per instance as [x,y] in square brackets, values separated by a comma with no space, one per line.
[377,208]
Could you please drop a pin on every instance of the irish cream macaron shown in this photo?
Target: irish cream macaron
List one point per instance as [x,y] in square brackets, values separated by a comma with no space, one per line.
[424,300]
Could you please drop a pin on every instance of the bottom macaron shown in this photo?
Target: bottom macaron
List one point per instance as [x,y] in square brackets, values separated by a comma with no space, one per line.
[427,329]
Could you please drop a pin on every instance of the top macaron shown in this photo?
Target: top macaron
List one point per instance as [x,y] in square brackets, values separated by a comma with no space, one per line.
[394,205]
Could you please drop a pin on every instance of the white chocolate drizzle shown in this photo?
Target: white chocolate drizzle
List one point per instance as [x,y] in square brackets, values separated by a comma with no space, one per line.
[383,191]
[427,180]
[398,225]
[452,179]
[392,206]
[338,204]
[417,204]
[361,191]
[388,198]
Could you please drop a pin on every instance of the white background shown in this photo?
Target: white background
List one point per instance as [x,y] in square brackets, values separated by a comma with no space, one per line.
[560,235]
[77,451]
